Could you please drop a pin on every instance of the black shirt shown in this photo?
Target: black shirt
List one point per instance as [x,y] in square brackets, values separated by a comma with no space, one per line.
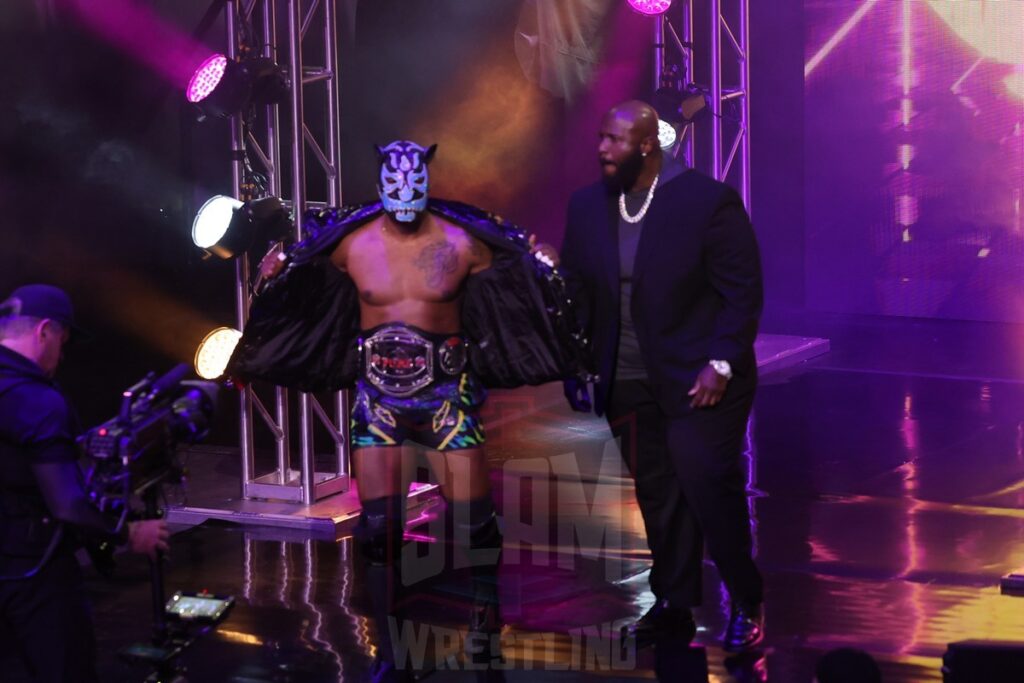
[36,423]
[629,363]
[36,426]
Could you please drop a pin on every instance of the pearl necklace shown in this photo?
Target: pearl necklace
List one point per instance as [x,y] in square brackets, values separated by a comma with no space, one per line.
[643,209]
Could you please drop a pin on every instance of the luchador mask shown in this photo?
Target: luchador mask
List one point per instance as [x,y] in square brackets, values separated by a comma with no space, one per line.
[404,179]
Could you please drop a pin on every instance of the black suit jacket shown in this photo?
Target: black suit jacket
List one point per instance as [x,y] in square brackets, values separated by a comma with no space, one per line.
[697,291]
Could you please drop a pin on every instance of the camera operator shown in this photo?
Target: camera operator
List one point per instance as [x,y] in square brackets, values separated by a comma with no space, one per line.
[43,505]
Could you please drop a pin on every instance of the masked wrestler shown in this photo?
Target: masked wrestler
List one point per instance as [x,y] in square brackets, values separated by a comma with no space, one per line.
[420,303]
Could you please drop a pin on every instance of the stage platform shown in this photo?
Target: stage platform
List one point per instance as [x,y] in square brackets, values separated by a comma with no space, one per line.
[217,496]
[778,352]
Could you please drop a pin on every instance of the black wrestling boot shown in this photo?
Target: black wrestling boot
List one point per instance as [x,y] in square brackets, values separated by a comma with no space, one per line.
[483,646]
[746,628]
[379,538]
[662,621]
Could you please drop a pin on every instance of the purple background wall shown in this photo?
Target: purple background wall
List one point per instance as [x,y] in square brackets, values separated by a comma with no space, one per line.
[914,156]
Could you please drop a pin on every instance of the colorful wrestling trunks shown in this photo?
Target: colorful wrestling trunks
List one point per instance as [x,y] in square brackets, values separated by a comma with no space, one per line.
[415,387]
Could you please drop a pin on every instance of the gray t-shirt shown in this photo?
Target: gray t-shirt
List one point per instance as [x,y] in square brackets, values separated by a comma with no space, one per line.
[629,363]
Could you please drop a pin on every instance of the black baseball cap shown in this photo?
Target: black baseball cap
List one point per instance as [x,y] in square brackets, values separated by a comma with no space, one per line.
[44,302]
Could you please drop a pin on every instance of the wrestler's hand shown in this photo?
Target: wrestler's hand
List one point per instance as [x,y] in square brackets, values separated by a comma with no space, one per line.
[577,394]
[708,390]
[273,262]
[544,252]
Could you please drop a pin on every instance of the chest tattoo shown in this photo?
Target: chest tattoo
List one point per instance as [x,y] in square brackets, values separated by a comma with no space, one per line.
[437,260]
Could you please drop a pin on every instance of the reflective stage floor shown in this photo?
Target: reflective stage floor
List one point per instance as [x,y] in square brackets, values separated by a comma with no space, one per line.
[888,499]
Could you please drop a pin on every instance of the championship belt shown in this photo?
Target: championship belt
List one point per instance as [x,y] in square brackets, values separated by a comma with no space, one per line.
[400,361]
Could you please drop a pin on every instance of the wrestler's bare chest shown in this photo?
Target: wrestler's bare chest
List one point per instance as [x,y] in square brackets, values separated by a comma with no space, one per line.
[389,267]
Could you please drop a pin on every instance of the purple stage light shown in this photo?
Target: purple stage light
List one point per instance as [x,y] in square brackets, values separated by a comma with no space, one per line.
[221,87]
[650,6]
[206,78]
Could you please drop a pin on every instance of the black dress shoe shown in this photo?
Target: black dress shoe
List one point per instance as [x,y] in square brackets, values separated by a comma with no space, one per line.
[662,621]
[746,629]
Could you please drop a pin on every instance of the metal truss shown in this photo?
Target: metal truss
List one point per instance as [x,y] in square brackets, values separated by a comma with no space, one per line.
[259,138]
[729,103]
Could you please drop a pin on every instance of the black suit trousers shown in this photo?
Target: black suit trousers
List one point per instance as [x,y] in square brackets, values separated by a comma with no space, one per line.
[691,488]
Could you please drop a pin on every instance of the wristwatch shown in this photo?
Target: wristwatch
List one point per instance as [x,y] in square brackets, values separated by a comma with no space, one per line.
[722,367]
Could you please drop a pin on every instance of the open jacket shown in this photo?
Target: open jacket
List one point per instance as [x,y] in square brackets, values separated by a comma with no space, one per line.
[303,329]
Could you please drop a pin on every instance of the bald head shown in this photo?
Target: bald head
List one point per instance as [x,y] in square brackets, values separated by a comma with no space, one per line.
[639,116]
[628,149]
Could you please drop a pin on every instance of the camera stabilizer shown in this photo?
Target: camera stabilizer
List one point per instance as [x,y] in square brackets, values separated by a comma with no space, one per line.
[131,456]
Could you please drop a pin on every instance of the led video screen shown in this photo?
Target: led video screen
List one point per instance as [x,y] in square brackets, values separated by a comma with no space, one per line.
[913,115]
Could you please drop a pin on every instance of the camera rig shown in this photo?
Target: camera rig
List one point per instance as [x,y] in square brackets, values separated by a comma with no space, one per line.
[136,451]
[130,457]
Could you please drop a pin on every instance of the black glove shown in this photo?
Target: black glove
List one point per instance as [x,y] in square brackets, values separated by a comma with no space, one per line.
[577,394]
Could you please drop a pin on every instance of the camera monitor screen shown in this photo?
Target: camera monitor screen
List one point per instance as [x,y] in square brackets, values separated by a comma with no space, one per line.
[198,606]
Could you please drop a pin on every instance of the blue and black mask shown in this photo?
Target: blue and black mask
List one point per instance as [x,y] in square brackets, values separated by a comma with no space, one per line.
[404,179]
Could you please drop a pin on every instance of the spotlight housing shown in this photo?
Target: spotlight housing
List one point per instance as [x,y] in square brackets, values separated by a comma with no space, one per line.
[681,106]
[222,87]
[214,351]
[227,228]
[650,7]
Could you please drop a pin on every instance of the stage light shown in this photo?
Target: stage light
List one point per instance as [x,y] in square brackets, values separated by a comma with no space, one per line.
[212,220]
[678,107]
[694,104]
[206,78]
[227,227]
[666,134]
[650,7]
[214,351]
[222,87]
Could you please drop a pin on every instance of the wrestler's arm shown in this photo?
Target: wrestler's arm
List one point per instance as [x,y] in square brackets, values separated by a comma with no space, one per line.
[544,252]
[272,263]
[276,260]
[339,257]
[479,254]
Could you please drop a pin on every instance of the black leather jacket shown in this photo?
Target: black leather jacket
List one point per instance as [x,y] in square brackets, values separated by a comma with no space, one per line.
[303,329]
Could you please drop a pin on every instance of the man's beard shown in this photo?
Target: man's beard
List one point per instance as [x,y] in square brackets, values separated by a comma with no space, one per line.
[626,173]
